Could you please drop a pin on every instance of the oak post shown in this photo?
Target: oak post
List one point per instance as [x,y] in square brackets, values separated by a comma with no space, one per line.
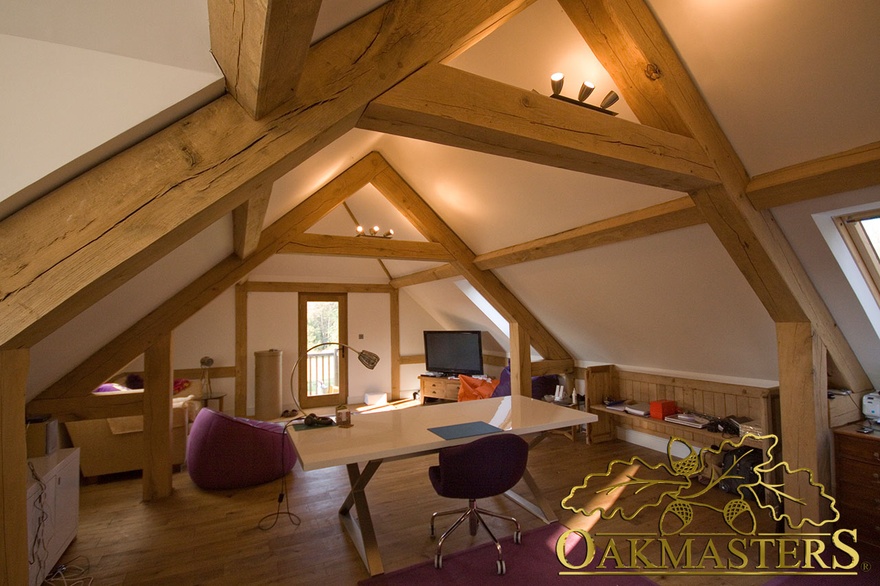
[158,385]
[13,457]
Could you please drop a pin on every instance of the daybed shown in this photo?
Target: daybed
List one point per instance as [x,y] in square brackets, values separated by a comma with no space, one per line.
[116,444]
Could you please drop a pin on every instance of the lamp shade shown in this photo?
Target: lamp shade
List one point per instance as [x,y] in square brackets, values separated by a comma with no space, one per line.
[585,91]
[556,81]
[609,100]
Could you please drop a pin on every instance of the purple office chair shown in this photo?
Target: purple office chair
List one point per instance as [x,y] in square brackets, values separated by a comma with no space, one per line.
[485,467]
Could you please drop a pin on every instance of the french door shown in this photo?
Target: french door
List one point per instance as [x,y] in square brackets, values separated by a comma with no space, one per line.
[322,377]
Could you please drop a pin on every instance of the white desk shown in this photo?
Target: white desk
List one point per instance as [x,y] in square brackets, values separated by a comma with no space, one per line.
[403,433]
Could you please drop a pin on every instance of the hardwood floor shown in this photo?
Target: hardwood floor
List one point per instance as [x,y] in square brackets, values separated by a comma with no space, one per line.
[199,537]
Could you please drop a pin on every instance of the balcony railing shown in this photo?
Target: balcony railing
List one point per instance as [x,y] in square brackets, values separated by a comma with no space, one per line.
[322,372]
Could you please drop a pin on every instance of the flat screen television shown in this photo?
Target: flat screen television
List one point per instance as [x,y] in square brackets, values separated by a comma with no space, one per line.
[451,352]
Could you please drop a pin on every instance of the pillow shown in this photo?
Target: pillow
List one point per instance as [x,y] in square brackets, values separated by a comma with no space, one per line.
[180,384]
[475,388]
[110,388]
[541,385]
[503,388]
[544,385]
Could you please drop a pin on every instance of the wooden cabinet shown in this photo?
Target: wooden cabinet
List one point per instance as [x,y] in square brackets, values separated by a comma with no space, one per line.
[53,509]
[857,476]
[445,389]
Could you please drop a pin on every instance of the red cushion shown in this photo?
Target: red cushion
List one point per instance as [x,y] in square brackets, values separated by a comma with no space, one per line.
[475,388]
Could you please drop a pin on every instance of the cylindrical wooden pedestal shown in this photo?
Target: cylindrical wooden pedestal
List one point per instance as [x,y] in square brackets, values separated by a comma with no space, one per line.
[267,384]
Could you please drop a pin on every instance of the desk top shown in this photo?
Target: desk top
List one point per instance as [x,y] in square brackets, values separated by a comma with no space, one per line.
[404,432]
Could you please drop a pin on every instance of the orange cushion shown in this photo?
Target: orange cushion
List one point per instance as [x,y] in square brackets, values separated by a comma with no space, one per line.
[475,388]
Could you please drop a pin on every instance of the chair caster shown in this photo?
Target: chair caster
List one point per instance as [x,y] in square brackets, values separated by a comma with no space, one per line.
[438,561]
[517,537]
[501,567]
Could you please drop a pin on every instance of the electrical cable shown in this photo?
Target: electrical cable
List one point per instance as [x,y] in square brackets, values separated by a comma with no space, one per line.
[39,551]
[68,574]
[291,516]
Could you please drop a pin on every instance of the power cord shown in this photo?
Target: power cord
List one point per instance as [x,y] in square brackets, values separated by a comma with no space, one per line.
[271,519]
[39,552]
[68,574]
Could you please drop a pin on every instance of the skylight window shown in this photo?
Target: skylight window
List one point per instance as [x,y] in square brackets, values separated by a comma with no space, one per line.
[862,235]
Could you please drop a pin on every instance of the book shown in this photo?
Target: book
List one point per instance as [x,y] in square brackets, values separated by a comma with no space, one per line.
[614,404]
[688,419]
[641,409]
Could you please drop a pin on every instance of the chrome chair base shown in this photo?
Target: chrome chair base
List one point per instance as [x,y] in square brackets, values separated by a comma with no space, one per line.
[474,515]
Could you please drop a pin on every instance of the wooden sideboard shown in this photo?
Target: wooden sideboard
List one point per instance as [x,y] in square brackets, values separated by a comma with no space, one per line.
[857,479]
[444,389]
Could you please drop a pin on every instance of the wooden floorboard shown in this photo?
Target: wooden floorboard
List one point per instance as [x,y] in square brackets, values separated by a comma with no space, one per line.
[200,537]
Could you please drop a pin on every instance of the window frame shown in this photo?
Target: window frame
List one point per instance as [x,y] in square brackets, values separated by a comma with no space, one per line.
[865,255]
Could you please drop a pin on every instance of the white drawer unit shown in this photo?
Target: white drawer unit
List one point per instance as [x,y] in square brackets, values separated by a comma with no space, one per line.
[53,509]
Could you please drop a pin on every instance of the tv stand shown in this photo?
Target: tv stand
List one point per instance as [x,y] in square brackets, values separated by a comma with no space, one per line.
[444,389]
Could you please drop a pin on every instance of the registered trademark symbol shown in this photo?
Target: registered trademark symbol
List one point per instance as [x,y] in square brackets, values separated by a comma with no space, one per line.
[866,566]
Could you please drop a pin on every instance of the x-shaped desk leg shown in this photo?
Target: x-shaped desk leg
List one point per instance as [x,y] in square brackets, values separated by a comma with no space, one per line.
[361,530]
[541,508]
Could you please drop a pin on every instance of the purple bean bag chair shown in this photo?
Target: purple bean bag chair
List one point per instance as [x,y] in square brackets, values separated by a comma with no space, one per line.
[226,452]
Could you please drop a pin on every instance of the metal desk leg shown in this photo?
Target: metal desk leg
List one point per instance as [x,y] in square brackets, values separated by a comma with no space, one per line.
[361,530]
[540,508]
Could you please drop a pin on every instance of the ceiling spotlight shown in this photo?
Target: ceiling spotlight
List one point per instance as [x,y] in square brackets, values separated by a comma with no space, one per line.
[374,232]
[585,91]
[609,100]
[556,81]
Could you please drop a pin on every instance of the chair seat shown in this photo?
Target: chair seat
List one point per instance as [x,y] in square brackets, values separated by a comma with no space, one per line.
[485,467]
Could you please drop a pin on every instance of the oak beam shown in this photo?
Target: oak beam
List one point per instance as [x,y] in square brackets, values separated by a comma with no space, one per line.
[261,47]
[241,350]
[353,246]
[520,361]
[430,225]
[134,341]
[427,276]
[543,367]
[158,389]
[78,243]
[247,221]
[671,215]
[838,173]
[88,406]
[295,287]
[448,106]
[394,334]
[632,70]
[14,552]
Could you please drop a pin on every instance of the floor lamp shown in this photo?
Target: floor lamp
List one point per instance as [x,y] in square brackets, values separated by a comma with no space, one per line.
[367,358]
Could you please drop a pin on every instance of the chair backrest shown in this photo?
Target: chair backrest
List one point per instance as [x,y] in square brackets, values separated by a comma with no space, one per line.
[484,467]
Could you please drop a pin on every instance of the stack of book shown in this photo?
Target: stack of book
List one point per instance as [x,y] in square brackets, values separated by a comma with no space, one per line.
[689,419]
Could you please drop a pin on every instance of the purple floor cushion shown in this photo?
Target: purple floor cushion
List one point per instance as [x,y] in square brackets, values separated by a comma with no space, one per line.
[231,452]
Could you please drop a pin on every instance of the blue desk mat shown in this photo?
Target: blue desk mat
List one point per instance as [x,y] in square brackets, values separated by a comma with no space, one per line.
[468,429]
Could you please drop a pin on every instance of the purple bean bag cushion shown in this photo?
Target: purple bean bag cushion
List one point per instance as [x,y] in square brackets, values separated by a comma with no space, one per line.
[226,452]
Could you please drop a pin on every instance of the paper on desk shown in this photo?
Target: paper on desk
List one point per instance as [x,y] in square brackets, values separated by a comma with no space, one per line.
[468,429]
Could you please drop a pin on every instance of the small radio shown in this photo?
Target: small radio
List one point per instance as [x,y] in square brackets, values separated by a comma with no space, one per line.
[871,405]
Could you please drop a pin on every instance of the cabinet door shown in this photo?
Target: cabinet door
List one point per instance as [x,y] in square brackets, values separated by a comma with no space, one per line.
[66,503]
